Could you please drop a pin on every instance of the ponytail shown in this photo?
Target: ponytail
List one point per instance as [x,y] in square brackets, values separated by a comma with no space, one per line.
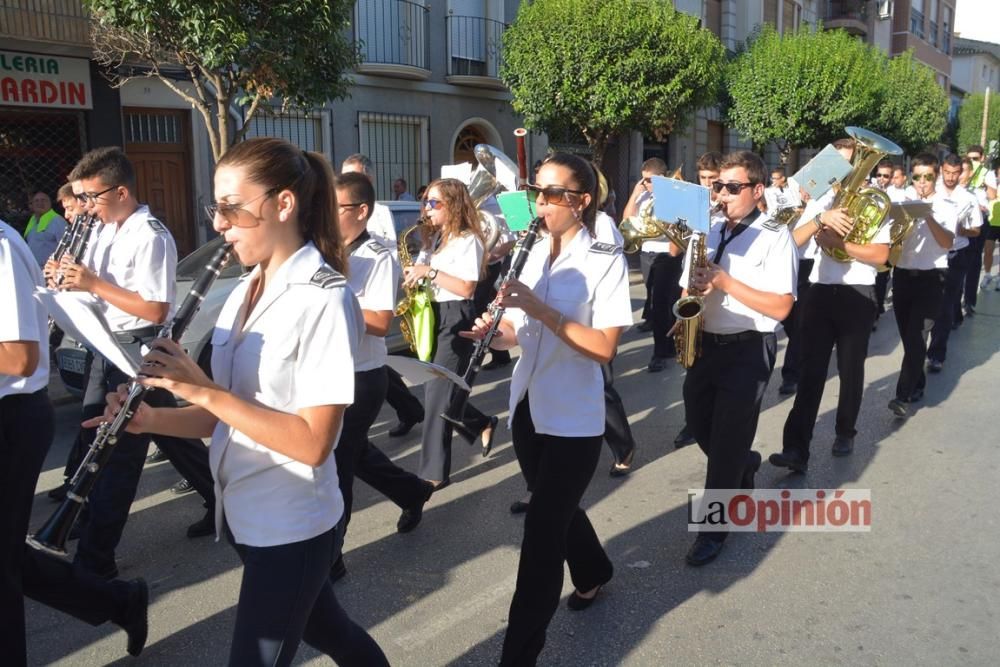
[318,218]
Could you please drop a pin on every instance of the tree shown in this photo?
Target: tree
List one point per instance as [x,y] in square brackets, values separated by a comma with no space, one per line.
[801,89]
[970,121]
[231,52]
[604,67]
[913,107]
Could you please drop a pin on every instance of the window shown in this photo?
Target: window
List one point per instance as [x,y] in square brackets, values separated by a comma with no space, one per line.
[933,23]
[716,137]
[392,32]
[305,130]
[917,18]
[713,16]
[771,12]
[399,147]
[789,16]
[946,30]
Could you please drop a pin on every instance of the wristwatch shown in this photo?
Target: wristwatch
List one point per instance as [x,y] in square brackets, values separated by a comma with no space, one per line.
[819,225]
[432,274]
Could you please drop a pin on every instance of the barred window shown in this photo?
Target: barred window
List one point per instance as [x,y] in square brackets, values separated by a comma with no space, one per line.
[304,129]
[399,147]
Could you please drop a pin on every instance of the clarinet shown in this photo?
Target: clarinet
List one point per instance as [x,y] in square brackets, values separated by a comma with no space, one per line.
[460,398]
[53,535]
[78,242]
[67,237]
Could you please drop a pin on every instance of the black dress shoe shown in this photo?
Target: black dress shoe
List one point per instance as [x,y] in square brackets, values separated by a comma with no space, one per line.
[788,388]
[625,467]
[684,438]
[181,487]
[518,507]
[753,465]
[401,429]
[156,456]
[488,445]
[204,526]
[134,619]
[576,602]
[934,366]
[842,445]
[657,364]
[338,570]
[897,406]
[410,517]
[791,460]
[496,363]
[703,551]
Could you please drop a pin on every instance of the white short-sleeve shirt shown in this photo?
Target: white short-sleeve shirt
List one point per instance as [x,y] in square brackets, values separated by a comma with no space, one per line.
[606,231]
[587,283]
[967,209]
[920,250]
[461,256]
[23,318]
[294,351]
[139,255]
[382,228]
[813,208]
[372,277]
[763,257]
[779,198]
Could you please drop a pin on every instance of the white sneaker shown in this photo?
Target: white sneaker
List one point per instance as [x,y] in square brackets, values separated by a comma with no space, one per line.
[987,279]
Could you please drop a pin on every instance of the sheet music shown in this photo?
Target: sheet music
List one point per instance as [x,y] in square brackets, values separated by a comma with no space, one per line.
[419,372]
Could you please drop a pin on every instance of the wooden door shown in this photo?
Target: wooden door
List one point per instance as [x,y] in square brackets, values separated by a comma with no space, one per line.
[158,142]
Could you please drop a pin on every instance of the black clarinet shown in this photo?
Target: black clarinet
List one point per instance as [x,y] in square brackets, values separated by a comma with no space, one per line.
[460,397]
[54,533]
[67,237]
[78,242]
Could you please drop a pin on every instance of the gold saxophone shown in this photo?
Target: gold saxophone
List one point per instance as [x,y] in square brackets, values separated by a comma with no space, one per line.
[404,309]
[866,206]
[689,309]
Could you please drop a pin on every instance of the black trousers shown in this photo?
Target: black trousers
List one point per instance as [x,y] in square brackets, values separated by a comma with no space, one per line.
[976,245]
[286,597]
[111,498]
[722,396]
[26,431]
[401,399]
[832,315]
[617,431]
[357,457]
[792,324]
[664,273]
[556,531]
[917,298]
[951,301]
[881,290]
[453,352]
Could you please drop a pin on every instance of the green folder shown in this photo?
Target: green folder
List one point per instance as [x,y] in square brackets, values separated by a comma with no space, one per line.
[518,209]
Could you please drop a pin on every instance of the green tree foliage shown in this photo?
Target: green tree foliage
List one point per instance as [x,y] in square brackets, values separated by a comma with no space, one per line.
[970,121]
[801,89]
[226,52]
[913,108]
[603,67]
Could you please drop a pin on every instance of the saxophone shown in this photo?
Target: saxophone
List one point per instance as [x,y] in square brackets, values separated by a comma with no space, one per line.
[689,309]
[404,309]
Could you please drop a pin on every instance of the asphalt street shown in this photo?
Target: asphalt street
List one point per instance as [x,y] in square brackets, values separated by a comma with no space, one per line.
[921,588]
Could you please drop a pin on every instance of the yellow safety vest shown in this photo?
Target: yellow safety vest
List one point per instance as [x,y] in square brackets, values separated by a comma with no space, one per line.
[41,224]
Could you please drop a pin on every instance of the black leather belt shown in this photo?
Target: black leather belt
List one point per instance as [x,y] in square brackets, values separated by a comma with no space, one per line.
[729,339]
[134,335]
[916,273]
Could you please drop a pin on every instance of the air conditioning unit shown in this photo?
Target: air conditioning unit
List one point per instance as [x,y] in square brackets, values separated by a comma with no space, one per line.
[885,9]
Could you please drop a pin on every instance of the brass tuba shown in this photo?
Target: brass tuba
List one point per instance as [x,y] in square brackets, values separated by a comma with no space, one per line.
[495,174]
[689,310]
[867,206]
[645,227]
[404,309]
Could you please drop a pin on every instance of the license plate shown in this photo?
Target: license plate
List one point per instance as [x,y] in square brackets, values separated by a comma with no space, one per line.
[72,364]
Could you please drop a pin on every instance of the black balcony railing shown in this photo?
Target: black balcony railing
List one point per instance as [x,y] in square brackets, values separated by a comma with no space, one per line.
[56,21]
[475,46]
[393,32]
[846,9]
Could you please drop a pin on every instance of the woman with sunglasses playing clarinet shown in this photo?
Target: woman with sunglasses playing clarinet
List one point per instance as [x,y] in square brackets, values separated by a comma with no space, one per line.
[283,375]
[567,312]
[452,262]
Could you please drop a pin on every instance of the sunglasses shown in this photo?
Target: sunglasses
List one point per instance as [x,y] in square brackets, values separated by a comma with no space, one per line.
[731,188]
[883,175]
[433,203]
[554,194]
[924,177]
[231,212]
[92,197]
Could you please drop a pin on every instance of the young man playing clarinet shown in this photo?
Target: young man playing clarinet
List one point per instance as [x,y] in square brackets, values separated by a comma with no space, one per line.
[748,287]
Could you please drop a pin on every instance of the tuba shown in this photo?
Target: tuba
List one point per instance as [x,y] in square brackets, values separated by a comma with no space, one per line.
[495,174]
[645,227]
[867,206]
[689,309]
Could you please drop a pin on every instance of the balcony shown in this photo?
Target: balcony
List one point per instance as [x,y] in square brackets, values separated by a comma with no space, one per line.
[475,51]
[392,36]
[848,15]
[62,22]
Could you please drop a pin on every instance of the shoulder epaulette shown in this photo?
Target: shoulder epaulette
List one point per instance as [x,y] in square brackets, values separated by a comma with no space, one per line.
[605,248]
[157,226]
[327,278]
[376,247]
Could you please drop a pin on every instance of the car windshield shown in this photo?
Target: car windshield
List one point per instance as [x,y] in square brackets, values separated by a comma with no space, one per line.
[191,266]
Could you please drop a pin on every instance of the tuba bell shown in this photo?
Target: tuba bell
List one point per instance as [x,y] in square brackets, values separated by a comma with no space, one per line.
[496,173]
[866,206]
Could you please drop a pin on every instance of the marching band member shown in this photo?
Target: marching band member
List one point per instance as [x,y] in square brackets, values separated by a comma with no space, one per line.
[783,193]
[452,260]
[27,427]
[372,277]
[838,310]
[283,377]
[960,258]
[748,288]
[567,312]
[918,281]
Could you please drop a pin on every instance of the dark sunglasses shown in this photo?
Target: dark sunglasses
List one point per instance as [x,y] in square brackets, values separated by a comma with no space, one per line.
[554,194]
[231,213]
[731,188]
[883,175]
[924,177]
[433,203]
